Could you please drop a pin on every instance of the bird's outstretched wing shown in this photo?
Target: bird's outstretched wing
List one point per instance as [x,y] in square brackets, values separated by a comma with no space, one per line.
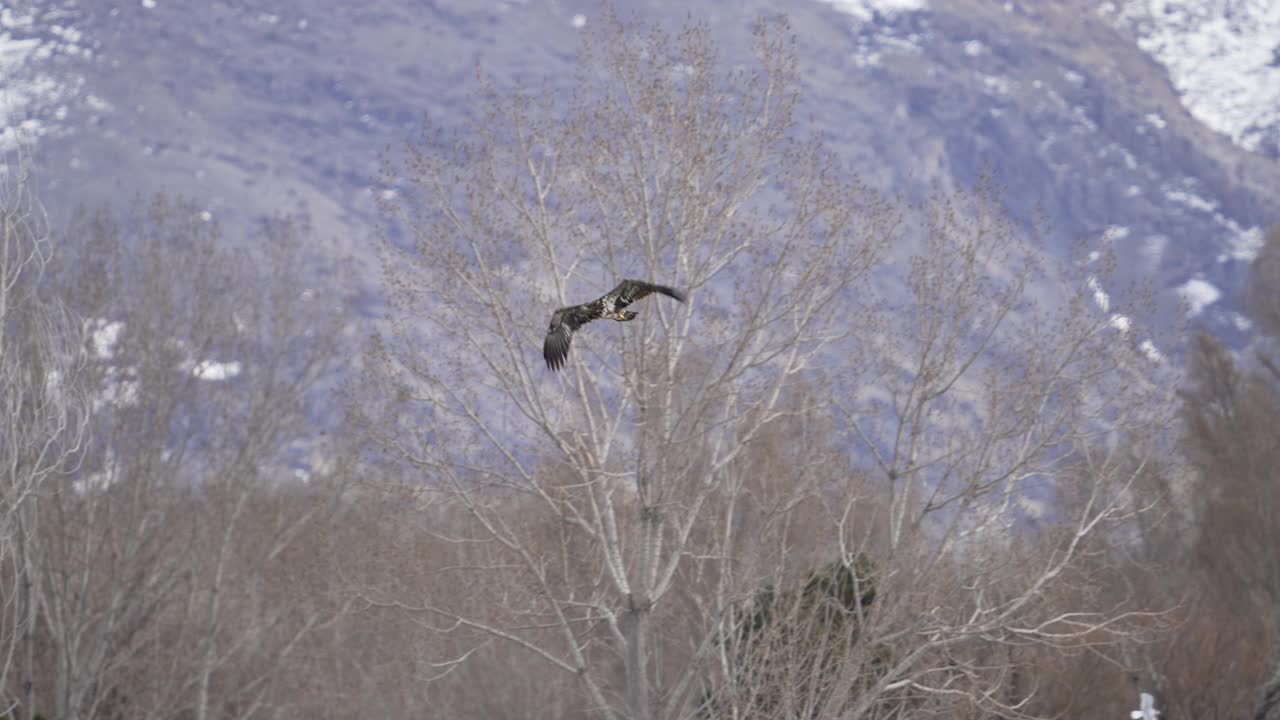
[629,291]
[564,323]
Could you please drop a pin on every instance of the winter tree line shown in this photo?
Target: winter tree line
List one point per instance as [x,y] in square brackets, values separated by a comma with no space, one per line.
[889,461]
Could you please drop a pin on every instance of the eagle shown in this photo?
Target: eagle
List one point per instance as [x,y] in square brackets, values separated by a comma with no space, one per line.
[566,321]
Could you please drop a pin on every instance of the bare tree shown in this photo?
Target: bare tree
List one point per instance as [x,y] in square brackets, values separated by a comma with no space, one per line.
[1231,410]
[159,560]
[1204,549]
[43,416]
[1010,414]
[1263,296]
[617,519]
[588,492]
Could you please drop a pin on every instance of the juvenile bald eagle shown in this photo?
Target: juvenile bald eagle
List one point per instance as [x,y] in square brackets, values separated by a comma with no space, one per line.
[566,321]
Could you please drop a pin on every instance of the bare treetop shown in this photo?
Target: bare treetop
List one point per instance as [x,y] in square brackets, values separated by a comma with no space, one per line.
[624,512]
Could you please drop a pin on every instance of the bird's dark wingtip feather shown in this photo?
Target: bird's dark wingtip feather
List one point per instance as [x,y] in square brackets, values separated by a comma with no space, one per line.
[555,350]
[673,293]
[548,354]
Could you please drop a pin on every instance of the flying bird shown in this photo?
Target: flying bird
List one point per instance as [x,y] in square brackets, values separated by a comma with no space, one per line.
[566,321]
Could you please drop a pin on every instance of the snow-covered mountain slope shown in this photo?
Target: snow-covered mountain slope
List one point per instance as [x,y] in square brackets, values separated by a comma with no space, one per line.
[37,92]
[1101,116]
[1223,56]
[1069,113]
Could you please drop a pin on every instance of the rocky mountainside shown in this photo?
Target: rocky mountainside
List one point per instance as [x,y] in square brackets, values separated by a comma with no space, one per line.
[1151,126]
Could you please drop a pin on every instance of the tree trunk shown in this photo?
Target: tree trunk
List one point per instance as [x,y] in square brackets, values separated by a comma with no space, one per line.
[29,631]
[637,627]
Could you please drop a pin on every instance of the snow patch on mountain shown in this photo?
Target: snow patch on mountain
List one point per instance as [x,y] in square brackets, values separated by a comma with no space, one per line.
[215,371]
[1241,323]
[874,33]
[34,101]
[1149,349]
[1100,296]
[1223,56]
[1191,200]
[1243,244]
[1237,242]
[867,10]
[1114,233]
[1198,294]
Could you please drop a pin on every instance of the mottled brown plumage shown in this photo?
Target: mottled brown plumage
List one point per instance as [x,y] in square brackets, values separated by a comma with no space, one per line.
[566,321]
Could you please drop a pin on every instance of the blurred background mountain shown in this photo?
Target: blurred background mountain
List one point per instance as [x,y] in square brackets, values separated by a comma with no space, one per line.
[1151,126]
